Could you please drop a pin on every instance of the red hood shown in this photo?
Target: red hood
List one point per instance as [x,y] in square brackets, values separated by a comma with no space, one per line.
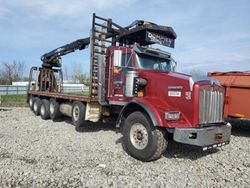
[159,87]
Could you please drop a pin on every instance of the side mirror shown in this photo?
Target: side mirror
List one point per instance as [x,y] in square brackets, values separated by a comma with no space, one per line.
[117,60]
[174,64]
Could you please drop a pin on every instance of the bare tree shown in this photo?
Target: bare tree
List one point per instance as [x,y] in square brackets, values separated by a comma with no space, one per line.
[82,78]
[77,73]
[79,76]
[85,79]
[11,72]
[65,72]
[197,73]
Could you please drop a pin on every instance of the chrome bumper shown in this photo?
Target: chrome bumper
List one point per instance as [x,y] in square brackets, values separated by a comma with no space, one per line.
[206,137]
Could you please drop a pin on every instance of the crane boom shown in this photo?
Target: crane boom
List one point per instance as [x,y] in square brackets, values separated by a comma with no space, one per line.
[53,58]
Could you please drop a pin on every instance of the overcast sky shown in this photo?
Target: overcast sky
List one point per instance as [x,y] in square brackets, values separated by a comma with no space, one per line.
[211,35]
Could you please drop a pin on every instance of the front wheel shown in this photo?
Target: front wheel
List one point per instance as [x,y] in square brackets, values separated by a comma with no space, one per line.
[141,139]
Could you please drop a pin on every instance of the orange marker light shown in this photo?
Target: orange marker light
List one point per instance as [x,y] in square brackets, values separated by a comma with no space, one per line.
[239,115]
[116,70]
[140,94]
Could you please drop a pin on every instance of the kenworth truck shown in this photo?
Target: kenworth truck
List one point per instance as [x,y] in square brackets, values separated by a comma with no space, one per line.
[137,86]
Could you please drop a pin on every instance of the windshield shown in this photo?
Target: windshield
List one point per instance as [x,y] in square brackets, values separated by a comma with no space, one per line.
[153,63]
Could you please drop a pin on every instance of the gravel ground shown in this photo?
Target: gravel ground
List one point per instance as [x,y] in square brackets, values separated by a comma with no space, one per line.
[39,153]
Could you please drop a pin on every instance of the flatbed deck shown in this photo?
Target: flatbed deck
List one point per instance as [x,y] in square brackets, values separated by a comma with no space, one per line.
[66,96]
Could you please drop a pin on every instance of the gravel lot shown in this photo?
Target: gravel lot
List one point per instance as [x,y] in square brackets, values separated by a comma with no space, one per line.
[39,153]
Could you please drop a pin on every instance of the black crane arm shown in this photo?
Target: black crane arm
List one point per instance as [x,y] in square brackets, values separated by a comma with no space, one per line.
[53,58]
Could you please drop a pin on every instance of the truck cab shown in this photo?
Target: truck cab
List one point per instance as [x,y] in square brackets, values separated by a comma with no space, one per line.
[123,66]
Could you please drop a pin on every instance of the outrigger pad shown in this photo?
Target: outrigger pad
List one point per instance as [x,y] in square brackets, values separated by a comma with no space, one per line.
[149,33]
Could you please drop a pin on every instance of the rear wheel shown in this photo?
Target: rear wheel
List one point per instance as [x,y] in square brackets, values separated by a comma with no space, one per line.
[31,100]
[36,106]
[141,140]
[78,113]
[54,110]
[44,109]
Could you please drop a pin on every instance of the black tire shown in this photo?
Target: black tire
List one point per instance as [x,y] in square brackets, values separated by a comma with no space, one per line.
[44,109]
[54,110]
[36,106]
[31,100]
[78,113]
[141,139]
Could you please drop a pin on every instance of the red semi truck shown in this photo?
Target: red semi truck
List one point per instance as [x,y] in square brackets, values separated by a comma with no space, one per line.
[137,86]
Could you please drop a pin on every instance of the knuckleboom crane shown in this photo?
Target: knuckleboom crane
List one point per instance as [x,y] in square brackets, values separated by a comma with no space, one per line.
[141,32]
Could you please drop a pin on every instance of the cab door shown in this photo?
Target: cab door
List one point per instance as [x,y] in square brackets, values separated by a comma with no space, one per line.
[119,73]
[118,65]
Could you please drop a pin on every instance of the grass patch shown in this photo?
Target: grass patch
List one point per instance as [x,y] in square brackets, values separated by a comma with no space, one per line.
[78,93]
[13,101]
[20,100]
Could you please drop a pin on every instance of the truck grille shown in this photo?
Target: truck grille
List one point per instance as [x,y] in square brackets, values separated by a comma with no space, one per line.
[211,105]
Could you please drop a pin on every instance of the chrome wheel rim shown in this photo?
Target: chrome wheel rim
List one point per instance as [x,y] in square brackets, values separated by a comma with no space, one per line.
[30,102]
[139,136]
[76,112]
[52,108]
[42,109]
[35,106]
